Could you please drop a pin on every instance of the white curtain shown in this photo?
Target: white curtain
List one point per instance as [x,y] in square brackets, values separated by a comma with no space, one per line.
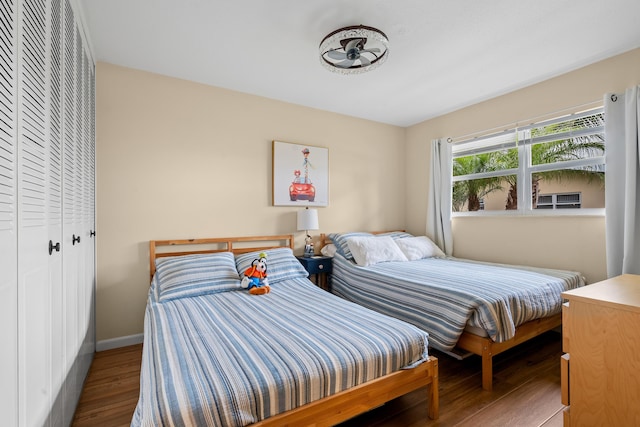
[439,204]
[622,183]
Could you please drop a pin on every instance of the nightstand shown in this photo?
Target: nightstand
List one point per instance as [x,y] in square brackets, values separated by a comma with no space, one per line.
[320,267]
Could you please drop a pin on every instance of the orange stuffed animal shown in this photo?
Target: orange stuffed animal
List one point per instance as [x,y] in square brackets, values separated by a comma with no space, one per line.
[255,277]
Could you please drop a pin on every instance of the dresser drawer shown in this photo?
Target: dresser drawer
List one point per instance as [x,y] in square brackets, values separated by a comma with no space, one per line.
[565,327]
[564,379]
[566,417]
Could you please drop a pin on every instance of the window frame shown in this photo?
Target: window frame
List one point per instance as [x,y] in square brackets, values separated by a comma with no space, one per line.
[521,140]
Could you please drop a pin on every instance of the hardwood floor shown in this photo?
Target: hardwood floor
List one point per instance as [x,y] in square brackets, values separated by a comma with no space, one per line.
[526,391]
[111,389]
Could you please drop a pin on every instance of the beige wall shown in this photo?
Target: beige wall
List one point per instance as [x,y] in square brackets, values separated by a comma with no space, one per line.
[565,242]
[177,159]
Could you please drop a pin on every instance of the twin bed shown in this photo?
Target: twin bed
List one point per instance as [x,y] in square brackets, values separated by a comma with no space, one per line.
[466,306]
[215,355]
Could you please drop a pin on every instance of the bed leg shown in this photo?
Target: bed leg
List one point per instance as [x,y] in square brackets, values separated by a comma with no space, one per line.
[487,368]
[433,399]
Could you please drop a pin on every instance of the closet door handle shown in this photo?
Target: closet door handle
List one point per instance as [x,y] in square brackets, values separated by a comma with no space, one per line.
[92,233]
[75,239]
[53,247]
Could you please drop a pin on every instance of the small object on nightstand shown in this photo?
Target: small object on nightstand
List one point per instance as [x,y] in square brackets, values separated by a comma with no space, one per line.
[320,267]
[308,247]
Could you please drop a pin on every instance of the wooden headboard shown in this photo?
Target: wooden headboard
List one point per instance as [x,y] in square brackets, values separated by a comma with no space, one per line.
[237,245]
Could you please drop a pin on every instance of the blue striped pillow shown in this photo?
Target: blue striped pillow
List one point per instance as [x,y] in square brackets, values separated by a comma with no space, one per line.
[195,275]
[340,240]
[281,264]
[395,235]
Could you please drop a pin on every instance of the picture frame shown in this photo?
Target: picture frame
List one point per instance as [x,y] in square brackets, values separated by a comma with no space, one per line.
[300,175]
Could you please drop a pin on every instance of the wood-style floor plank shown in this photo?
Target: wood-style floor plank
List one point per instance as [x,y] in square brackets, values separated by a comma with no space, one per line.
[111,390]
[556,420]
[526,391]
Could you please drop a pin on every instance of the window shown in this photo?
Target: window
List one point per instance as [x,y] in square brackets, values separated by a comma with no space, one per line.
[559,201]
[550,166]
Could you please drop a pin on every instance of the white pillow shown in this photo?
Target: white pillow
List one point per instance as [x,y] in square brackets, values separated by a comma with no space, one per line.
[329,250]
[372,250]
[418,247]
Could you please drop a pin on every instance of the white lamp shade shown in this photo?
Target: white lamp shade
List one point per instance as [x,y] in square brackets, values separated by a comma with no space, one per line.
[308,219]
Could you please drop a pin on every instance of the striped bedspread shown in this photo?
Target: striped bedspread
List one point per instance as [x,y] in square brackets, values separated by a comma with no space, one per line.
[232,359]
[440,295]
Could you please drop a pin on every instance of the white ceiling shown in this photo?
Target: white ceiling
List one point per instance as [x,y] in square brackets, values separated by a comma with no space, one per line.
[443,55]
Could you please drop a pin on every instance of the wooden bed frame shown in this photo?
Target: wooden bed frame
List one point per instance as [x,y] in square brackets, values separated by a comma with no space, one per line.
[331,409]
[485,347]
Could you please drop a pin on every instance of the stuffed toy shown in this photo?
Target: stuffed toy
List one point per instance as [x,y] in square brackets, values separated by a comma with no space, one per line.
[255,277]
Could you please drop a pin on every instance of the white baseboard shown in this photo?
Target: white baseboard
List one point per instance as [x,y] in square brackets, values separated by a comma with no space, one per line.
[119,342]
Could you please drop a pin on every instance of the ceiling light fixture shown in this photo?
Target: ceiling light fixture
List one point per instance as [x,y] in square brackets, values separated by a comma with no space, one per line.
[354,50]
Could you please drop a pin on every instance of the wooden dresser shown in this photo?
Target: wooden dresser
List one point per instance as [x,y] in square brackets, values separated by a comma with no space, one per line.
[601,367]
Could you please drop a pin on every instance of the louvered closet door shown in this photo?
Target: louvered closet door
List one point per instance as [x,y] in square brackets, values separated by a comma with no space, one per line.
[54,210]
[78,153]
[8,213]
[71,234]
[79,190]
[47,134]
[91,198]
[87,336]
[34,292]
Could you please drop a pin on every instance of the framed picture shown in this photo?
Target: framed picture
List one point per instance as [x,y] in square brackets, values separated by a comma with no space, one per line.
[300,175]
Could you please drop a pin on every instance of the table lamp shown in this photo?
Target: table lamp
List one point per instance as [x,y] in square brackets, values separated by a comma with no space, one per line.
[308,220]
